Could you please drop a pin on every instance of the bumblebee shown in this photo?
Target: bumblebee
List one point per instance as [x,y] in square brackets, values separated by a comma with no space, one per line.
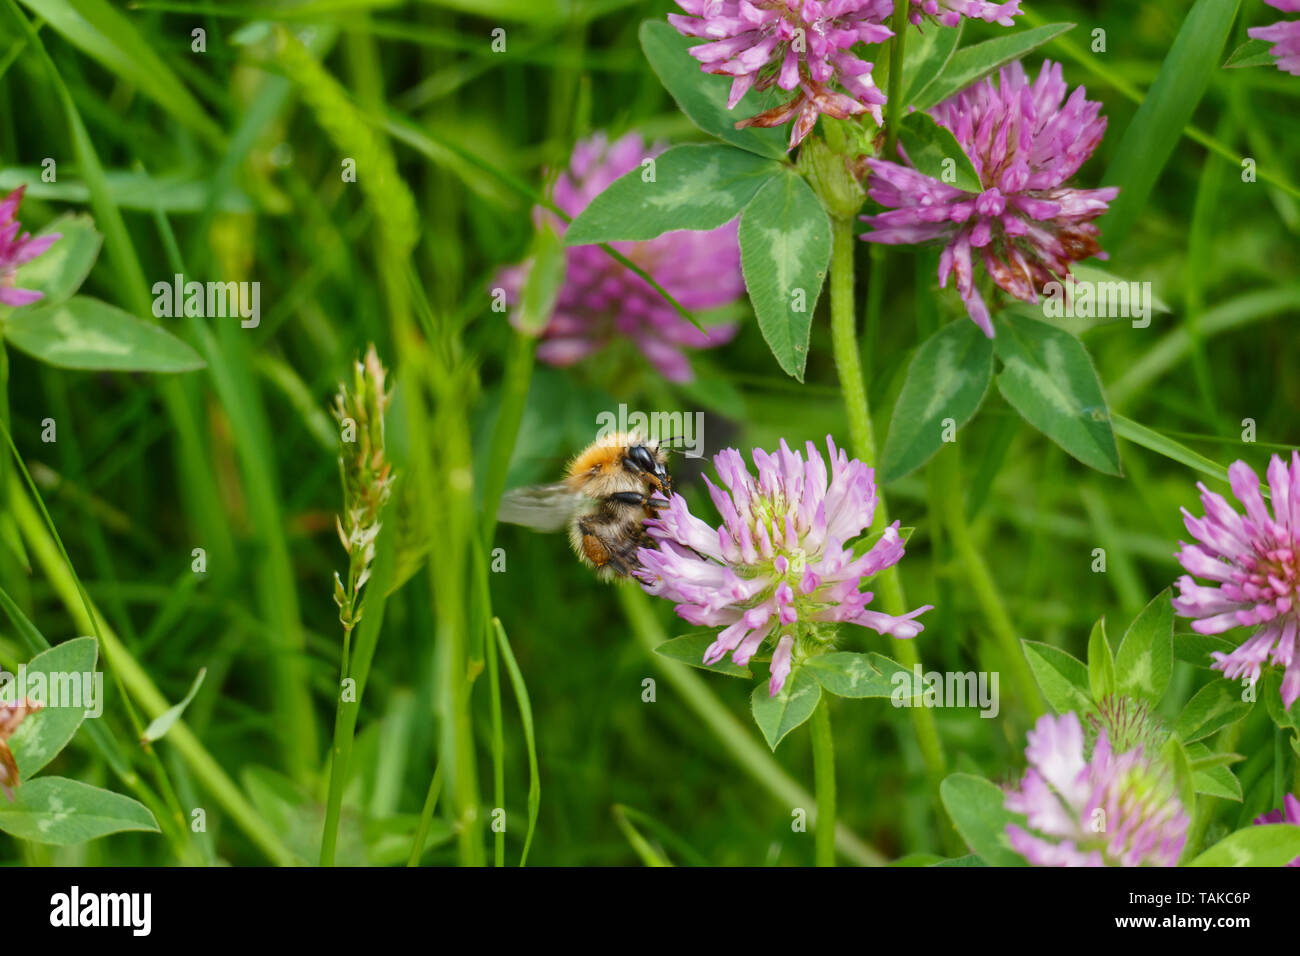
[604,500]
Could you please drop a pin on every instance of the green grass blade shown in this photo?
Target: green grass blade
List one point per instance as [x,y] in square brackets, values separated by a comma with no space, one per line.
[1098,67]
[1175,451]
[1237,312]
[498,747]
[103,34]
[374,603]
[640,845]
[526,717]
[660,829]
[1158,125]
[201,496]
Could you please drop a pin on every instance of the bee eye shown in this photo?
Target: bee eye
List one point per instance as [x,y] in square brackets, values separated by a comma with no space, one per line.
[643,458]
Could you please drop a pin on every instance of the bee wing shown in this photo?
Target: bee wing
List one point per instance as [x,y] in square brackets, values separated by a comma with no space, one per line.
[541,507]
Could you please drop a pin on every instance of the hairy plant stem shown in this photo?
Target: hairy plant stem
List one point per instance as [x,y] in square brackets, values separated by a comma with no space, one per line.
[971,562]
[894,107]
[824,776]
[849,365]
[1279,765]
[844,341]
[1201,816]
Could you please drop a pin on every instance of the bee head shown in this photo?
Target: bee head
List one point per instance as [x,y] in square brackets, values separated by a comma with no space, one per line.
[649,459]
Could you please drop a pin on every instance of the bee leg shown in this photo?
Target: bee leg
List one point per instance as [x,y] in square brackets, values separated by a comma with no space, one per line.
[620,567]
[639,460]
[626,548]
[593,549]
[605,551]
[628,497]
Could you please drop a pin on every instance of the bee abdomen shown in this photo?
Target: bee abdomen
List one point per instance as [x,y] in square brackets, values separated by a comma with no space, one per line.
[608,537]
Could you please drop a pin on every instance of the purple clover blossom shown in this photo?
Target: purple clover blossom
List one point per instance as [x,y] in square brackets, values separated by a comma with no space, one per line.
[949,13]
[1111,810]
[16,250]
[782,566]
[1254,561]
[796,45]
[12,715]
[602,300]
[1292,815]
[1025,139]
[1284,35]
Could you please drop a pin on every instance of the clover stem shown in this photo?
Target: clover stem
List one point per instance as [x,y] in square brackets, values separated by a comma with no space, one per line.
[1200,814]
[952,501]
[844,340]
[751,756]
[849,366]
[894,107]
[1279,766]
[824,775]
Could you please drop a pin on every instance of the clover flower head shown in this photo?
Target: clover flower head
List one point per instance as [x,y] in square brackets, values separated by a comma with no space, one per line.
[800,46]
[1284,35]
[1127,722]
[18,248]
[1025,139]
[601,300]
[782,566]
[949,13]
[1253,561]
[1115,809]
[1291,815]
[11,715]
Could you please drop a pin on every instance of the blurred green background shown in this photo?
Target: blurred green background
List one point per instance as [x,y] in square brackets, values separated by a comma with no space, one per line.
[239,179]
